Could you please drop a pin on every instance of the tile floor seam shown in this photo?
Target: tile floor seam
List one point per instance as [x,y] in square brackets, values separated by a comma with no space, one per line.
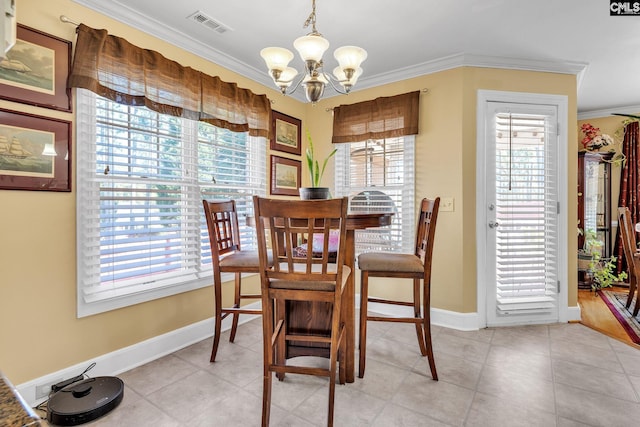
[566,412]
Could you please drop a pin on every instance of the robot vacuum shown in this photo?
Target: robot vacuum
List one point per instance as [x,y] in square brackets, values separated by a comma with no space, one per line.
[85,401]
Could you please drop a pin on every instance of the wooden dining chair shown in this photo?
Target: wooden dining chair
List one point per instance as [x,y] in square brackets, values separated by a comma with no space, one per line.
[295,279]
[228,257]
[417,267]
[631,254]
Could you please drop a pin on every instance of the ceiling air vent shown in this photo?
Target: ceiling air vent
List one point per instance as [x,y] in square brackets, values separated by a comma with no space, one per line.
[209,22]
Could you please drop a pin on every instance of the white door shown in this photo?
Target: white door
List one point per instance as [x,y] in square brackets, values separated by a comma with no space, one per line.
[521,203]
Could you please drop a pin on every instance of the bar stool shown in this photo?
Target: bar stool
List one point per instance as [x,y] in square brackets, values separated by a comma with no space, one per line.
[227,257]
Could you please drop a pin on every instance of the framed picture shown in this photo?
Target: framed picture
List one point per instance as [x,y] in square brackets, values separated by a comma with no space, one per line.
[285,176]
[285,133]
[35,152]
[35,70]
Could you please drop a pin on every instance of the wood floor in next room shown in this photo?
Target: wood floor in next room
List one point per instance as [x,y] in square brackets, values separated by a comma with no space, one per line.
[596,315]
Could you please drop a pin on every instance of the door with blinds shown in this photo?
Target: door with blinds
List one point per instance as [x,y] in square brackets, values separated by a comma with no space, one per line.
[522,213]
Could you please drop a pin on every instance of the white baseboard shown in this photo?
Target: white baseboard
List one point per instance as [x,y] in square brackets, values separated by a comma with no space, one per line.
[444,318]
[574,314]
[127,358]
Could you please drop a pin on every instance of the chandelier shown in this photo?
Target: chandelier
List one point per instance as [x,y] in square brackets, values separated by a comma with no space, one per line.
[311,48]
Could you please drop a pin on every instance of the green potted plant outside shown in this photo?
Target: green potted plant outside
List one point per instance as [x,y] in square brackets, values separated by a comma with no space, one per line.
[602,275]
[601,269]
[315,173]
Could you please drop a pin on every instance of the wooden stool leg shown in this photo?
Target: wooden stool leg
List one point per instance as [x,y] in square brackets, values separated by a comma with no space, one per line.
[281,342]
[236,300]
[632,290]
[336,340]
[217,297]
[267,358]
[364,299]
[416,314]
[636,308]
[426,315]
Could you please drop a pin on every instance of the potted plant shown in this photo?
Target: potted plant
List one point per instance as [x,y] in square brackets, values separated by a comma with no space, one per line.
[315,173]
[601,270]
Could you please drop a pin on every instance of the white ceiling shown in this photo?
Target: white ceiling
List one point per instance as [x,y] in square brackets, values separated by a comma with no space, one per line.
[407,38]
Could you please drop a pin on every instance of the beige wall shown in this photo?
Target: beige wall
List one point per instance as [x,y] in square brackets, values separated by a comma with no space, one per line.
[446,164]
[39,331]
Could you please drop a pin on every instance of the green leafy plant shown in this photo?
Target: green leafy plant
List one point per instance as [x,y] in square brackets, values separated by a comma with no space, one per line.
[315,172]
[602,272]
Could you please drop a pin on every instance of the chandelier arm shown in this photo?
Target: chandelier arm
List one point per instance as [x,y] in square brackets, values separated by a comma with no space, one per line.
[330,80]
[285,92]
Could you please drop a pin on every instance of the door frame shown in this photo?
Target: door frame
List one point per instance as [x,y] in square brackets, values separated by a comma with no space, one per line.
[561,103]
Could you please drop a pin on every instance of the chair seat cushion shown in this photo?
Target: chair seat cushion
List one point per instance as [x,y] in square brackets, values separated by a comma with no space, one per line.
[315,285]
[383,261]
[317,244]
[242,259]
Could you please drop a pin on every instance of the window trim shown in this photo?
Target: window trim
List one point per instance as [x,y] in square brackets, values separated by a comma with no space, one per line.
[407,227]
[118,297]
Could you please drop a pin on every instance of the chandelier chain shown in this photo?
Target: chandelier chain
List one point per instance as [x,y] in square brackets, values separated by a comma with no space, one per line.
[311,20]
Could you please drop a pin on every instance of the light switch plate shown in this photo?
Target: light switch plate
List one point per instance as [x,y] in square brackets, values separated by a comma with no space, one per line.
[446,204]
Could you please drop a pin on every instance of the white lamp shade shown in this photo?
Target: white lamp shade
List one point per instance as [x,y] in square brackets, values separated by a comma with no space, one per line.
[311,48]
[350,56]
[342,78]
[287,76]
[276,58]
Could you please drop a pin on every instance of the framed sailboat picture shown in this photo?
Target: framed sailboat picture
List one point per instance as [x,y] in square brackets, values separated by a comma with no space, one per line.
[36,69]
[35,152]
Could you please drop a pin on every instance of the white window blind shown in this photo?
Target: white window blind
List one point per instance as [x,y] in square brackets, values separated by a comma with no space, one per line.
[526,213]
[141,180]
[379,175]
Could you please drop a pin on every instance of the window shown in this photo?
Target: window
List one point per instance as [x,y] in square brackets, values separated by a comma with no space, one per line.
[141,179]
[379,175]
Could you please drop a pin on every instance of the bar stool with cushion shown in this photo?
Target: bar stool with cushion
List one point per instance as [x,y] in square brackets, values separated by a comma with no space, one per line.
[416,266]
[295,279]
[228,257]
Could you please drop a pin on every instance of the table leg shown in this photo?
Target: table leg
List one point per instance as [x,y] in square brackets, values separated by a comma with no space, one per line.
[350,300]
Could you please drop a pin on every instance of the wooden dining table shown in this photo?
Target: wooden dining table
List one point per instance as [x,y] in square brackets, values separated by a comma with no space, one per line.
[316,317]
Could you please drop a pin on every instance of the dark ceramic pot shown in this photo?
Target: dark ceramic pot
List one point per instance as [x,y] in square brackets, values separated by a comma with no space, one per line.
[310,193]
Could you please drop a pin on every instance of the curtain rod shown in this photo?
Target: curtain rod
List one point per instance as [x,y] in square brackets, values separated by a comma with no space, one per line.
[66,20]
[425,90]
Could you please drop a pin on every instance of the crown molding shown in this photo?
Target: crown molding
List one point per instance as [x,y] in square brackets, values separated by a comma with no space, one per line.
[122,13]
[606,112]
[481,61]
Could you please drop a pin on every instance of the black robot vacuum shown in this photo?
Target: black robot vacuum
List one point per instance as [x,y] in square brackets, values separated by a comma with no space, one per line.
[85,401]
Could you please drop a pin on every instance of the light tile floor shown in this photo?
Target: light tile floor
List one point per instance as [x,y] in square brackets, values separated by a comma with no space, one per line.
[556,375]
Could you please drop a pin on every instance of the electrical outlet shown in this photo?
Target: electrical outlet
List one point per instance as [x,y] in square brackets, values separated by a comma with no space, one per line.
[446,204]
[43,390]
